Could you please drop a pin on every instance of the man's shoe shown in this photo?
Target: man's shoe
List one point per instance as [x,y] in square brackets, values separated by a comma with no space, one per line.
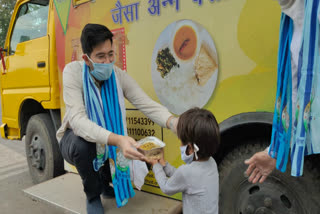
[95,206]
[108,192]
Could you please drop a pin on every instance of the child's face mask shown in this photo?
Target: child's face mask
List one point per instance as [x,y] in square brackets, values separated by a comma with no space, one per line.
[188,158]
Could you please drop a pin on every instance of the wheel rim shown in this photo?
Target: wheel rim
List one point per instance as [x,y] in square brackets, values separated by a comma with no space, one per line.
[37,153]
[271,197]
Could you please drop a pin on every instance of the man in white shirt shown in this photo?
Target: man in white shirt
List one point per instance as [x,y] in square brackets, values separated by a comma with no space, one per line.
[78,135]
[261,164]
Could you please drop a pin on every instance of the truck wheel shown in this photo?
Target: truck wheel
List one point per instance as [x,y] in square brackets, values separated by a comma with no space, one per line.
[280,193]
[42,149]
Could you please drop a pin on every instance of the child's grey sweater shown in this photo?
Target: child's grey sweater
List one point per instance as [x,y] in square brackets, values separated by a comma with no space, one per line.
[198,182]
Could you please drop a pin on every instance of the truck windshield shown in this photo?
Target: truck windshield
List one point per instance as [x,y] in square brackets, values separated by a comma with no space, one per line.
[31,23]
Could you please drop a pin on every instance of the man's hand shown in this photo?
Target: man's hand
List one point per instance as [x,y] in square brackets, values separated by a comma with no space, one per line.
[172,123]
[127,145]
[260,166]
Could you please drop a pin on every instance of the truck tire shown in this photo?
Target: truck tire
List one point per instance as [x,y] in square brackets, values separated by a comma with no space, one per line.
[42,149]
[279,194]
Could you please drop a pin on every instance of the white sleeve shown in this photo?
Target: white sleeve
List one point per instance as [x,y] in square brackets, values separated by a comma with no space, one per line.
[176,183]
[132,91]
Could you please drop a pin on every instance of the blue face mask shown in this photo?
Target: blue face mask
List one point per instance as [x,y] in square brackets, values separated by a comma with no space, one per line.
[101,71]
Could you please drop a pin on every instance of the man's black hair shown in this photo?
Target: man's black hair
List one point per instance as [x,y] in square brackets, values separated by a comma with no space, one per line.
[93,35]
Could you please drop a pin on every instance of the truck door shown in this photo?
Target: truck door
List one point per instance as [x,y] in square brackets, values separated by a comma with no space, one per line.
[27,74]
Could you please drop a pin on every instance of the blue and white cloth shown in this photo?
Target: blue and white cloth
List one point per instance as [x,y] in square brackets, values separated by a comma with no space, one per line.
[303,137]
[281,129]
[106,109]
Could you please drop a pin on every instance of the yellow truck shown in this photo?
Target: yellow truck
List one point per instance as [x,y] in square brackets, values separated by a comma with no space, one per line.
[223,58]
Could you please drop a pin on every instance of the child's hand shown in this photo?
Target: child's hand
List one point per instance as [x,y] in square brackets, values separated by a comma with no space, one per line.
[162,161]
[151,161]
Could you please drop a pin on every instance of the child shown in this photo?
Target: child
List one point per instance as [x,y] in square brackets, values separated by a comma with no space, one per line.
[198,181]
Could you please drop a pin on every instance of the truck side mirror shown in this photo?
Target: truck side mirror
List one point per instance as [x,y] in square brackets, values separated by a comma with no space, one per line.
[2,59]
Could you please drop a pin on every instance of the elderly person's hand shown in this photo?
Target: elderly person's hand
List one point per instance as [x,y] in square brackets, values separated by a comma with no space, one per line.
[260,166]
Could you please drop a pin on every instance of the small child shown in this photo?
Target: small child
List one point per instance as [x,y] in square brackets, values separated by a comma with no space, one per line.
[198,181]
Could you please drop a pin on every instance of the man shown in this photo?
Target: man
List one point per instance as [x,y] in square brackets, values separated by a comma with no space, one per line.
[261,164]
[78,134]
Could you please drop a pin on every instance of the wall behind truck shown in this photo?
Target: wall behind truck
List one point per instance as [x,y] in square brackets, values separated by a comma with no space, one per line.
[236,42]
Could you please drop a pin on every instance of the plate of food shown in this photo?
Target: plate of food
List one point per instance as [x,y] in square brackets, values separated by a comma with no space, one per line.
[184,66]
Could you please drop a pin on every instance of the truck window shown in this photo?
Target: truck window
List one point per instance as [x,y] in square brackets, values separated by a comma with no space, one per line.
[31,23]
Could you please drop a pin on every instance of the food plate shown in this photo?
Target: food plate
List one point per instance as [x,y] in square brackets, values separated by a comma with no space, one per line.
[184,66]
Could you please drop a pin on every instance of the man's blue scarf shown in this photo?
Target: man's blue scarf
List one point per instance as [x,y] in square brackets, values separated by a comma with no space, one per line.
[302,134]
[281,128]
[103,107]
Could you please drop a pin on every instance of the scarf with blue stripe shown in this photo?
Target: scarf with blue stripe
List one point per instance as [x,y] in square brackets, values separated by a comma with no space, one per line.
[106,109]
[299,134]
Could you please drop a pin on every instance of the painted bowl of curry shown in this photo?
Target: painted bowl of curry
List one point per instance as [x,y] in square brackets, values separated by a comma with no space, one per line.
[185,42]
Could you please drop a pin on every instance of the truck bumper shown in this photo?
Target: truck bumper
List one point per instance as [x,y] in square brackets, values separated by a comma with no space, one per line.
[3,130]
